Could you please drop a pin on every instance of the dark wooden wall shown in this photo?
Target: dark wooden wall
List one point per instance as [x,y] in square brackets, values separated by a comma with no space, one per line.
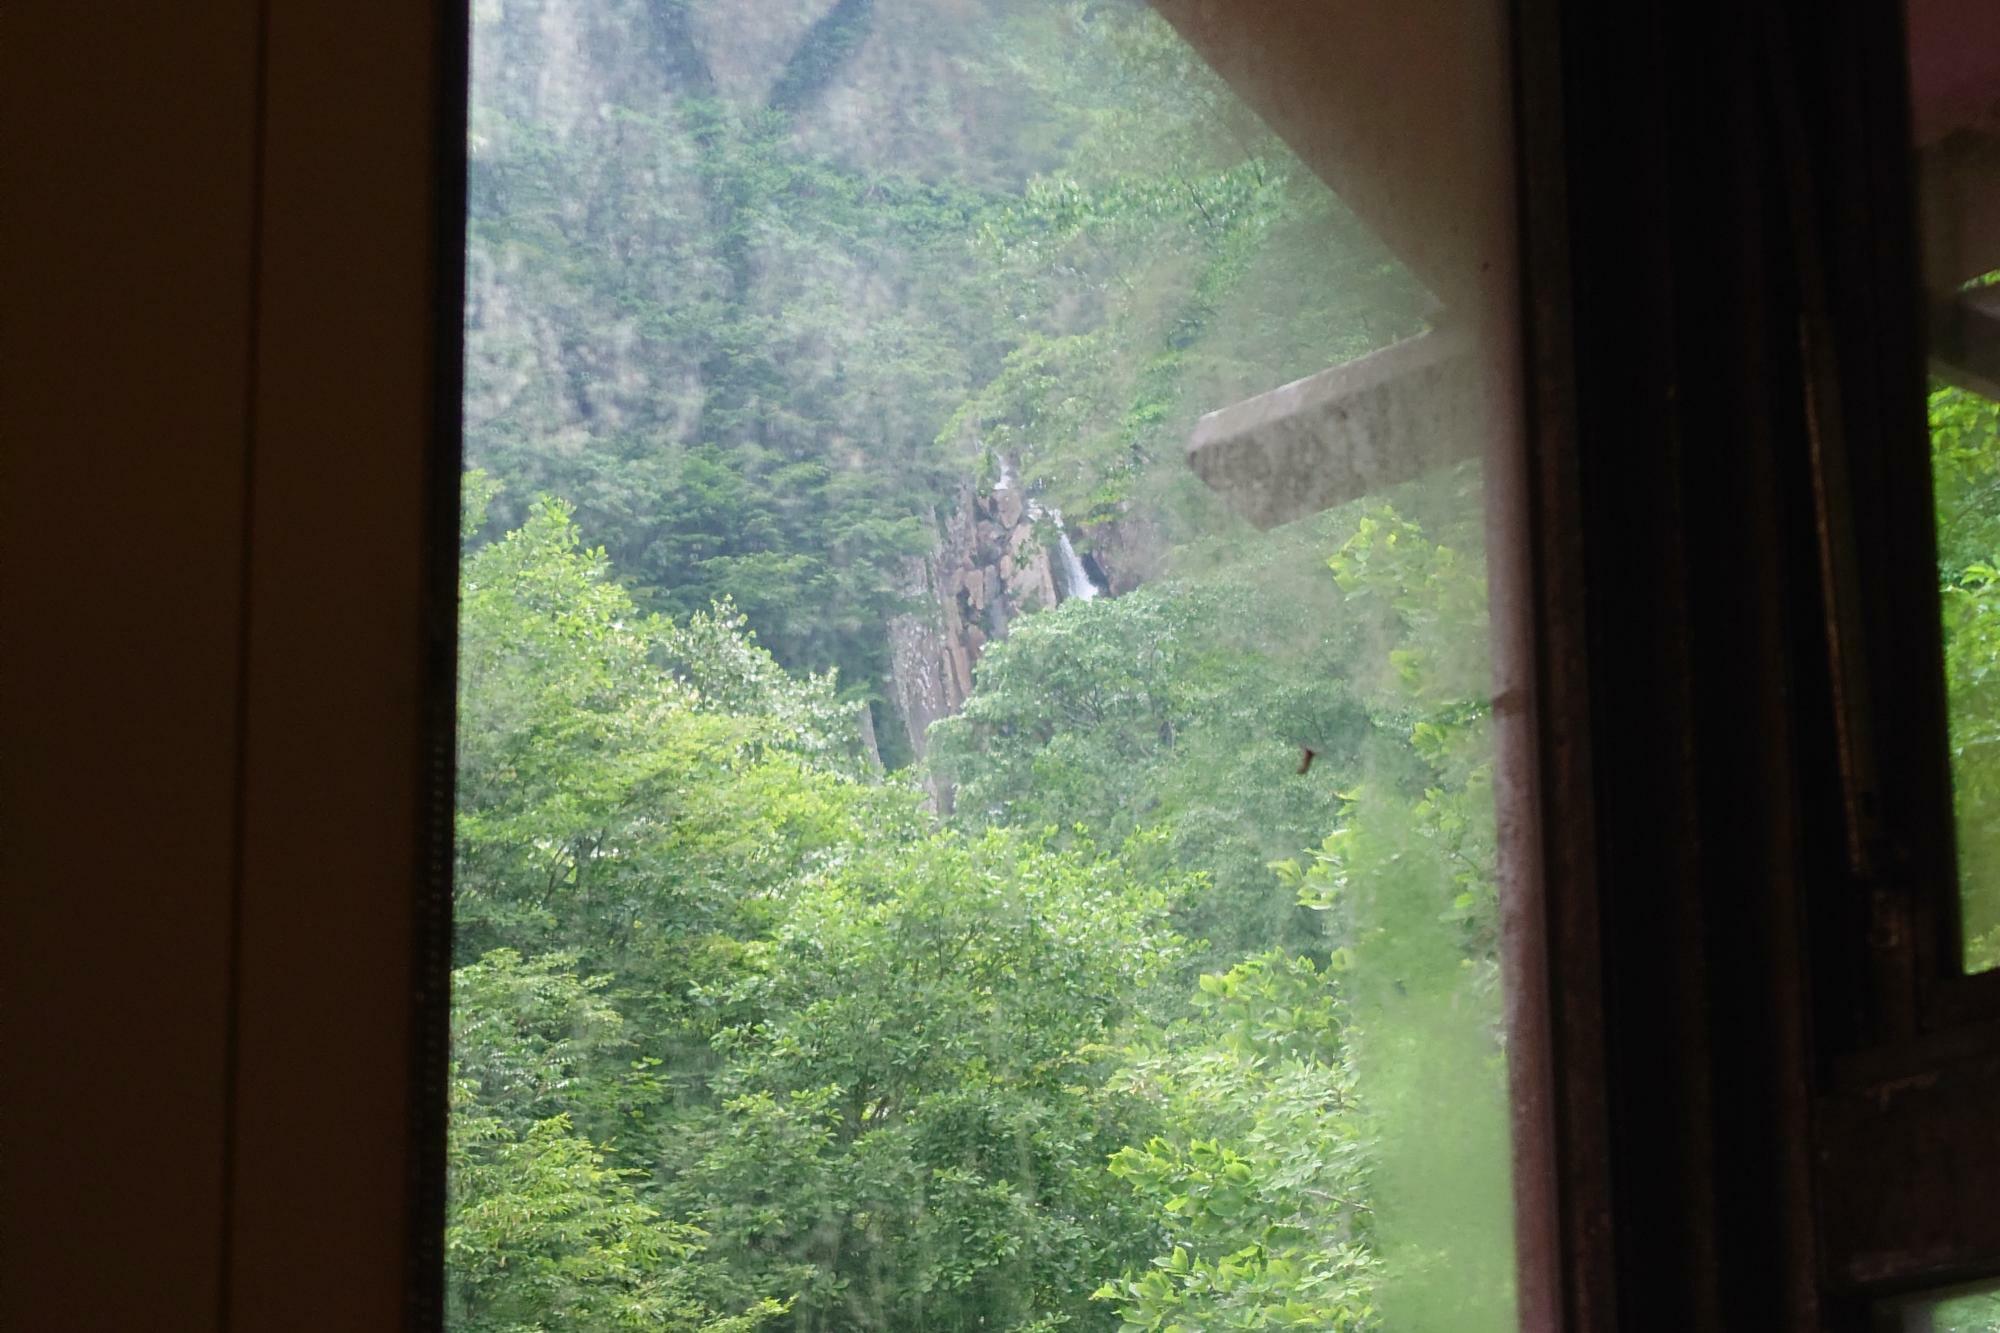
[217,331]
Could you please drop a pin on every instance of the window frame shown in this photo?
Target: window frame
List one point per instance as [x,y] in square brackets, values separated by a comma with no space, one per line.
[1689,877]
[1628,725]
[1818,1115]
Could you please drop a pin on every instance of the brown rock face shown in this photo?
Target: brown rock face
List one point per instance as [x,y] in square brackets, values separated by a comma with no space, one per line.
[991,564]
[1006,502]
[1126,553]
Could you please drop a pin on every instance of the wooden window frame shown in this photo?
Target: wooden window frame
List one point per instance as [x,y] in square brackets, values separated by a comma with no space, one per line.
[1773,1091]
[1750,1089]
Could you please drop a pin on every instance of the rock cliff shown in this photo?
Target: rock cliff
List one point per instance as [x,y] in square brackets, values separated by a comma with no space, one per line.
[999,556]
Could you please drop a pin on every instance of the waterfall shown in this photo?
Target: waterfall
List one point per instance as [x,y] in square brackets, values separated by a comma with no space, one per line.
[1072,578]
[1075,578]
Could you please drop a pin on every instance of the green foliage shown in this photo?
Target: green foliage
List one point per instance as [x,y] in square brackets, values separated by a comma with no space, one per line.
[1263,1179]
[754,359]
[1410,875]
[1179,710]
[913,1125]
[1183,709]
[542,1233]
[741,1036]
[678,357]
[544,1236]
[1966,1314]
[622,777]
[832,41]
[1159,1032]
[1344,1159]
[735,1030]
[1174,258]
[1965,466]
[525,1034]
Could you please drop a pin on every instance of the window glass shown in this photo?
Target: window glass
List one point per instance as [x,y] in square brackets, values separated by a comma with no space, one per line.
[1962,1312]
[1955,80]
[1965,458]
[975,773]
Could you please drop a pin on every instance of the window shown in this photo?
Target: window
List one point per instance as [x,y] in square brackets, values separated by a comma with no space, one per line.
[1753,1079]
[1956,78]
[1938,1236]
[976,760]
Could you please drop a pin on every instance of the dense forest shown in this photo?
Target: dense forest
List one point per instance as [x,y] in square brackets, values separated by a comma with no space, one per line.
[922,863]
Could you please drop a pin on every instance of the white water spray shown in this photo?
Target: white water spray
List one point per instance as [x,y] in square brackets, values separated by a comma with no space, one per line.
[1075,578]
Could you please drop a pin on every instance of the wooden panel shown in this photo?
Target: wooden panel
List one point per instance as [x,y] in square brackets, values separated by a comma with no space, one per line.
[1895,1158]
[127,231]
[336,667]
[1954,66]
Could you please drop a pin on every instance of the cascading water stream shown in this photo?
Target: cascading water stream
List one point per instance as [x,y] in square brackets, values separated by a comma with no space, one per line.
[1076,579]
[1073,577]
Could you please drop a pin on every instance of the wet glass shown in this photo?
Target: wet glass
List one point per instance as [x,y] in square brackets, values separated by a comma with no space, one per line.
[975,765]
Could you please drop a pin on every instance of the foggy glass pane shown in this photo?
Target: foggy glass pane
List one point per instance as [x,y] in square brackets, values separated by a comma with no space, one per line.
[975,775]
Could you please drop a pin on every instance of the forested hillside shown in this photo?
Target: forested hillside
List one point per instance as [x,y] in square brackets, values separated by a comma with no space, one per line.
[922,863]
[757,287]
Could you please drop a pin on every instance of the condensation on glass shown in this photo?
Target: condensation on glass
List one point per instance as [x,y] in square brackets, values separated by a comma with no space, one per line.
[1955,79]
[976,762]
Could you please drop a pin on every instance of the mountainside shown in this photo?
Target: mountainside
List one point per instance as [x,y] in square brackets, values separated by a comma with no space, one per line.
[768,291]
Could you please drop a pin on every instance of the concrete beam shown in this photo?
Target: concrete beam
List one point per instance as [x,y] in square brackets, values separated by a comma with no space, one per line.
[1965,341]
[1346,432]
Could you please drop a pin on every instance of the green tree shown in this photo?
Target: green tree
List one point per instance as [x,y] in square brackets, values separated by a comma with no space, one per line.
[1338,1153]
[1182,710]
[913,1128]
[736,1026]
[626,781]
[1263,1177]
[543,1234]
[743,1037]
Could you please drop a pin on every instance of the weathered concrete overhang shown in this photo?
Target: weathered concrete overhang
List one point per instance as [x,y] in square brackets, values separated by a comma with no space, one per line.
[1405,112]
[1343,433]
[1965,340]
